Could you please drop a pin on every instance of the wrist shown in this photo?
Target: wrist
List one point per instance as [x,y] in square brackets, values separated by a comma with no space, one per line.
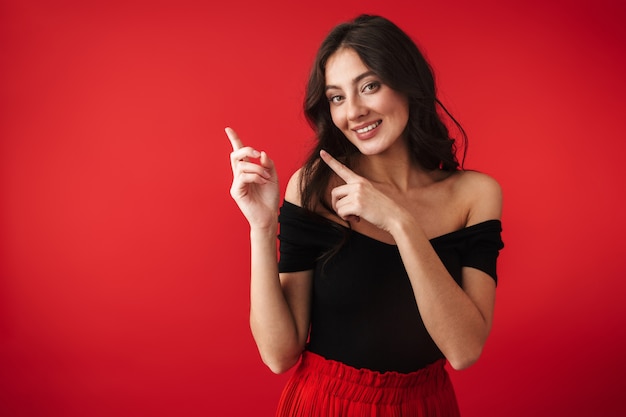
[267,231]
[403,223]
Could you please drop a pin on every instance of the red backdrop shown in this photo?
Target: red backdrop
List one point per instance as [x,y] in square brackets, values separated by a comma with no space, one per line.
[124,262]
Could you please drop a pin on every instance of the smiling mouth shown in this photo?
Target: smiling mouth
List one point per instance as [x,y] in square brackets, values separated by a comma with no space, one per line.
[368,128]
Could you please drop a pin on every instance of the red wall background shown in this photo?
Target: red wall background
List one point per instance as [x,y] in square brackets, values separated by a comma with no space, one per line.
[124,262]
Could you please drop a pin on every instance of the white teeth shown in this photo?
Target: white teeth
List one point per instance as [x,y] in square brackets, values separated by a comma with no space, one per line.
[368,128]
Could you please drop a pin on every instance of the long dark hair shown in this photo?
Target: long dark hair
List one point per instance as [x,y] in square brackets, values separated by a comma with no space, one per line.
[393,56]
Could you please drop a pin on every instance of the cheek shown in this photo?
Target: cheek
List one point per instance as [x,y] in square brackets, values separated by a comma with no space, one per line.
[401,112]
[397,105]
[405,119]
[335,115]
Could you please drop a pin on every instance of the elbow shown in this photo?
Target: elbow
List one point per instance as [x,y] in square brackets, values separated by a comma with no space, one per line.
[279,368]
[467,354]
[459,365]
[465,359]
[280,365]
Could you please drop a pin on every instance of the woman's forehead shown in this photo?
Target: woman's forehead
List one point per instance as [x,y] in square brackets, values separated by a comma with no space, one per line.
[344,67]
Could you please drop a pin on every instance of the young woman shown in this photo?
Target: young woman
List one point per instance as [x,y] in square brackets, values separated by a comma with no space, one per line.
[388,249]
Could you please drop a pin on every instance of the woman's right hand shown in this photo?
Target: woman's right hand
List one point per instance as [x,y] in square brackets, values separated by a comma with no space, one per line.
[255,185]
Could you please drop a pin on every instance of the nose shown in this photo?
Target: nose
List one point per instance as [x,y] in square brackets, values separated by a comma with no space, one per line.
[356,108]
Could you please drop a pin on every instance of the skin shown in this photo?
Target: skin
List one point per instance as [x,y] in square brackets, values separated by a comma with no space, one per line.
[425,204]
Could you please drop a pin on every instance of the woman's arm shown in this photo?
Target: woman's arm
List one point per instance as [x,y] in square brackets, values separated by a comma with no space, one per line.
[279,304]
[457,318]
[279,308]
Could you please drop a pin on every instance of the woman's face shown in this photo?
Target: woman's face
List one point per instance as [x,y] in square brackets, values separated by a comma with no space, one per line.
[369,113]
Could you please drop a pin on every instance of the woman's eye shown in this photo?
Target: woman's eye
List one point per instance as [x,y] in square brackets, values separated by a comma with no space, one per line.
[369,87]
[335,99]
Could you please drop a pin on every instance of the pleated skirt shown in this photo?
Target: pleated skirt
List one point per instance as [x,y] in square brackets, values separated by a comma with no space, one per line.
[326,388]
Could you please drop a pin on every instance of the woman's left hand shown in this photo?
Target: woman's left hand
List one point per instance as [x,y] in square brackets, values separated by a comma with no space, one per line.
[359,198]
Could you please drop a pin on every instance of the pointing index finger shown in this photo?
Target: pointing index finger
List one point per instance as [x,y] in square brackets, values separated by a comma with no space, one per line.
[340,169]
[234,139]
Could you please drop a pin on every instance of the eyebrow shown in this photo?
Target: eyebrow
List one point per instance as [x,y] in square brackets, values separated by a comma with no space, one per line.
[354,81]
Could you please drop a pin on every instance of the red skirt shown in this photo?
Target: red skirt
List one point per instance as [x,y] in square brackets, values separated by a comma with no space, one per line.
[326,388]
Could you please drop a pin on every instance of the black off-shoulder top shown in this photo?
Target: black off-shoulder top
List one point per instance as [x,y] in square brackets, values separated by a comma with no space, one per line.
[364,312]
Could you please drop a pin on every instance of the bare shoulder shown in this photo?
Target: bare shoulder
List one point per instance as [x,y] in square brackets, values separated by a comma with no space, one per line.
[475,181]
[292,192]
[483,195]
